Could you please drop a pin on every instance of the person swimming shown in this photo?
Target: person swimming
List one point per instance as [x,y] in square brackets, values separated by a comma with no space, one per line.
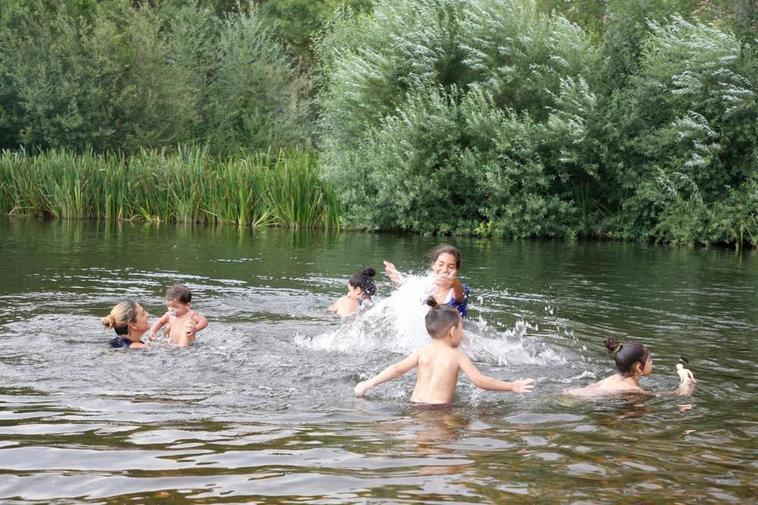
[130,321]
[633,361]
[360,287]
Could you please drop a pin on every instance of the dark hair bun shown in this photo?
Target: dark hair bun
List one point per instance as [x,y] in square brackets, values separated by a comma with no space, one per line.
[432,302]
[369,272]
[613,345]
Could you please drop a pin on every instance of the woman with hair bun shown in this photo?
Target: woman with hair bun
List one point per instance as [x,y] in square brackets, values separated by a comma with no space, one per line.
[633,361]
[360,288]
[129,320]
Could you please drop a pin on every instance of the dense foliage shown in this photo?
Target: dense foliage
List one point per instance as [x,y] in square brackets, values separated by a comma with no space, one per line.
[522,118]
[114,76]
[492,117]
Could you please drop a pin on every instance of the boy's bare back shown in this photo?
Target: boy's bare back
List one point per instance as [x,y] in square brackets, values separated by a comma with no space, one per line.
[437,374]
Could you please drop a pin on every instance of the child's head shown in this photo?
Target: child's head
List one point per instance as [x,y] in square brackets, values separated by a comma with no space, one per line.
[123,314]
[445,259]
[180,293]
[443,320]
[631,358]
[364,280]
[178,298]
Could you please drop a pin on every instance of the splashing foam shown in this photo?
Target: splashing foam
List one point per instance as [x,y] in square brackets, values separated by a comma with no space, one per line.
[396,324]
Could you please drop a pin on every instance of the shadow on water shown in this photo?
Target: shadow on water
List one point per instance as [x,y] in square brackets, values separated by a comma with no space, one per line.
[261,409]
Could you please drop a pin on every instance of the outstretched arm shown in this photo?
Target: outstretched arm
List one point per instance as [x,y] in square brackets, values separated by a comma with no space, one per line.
[389,373]
[158,325]
[482,381]
[392,273]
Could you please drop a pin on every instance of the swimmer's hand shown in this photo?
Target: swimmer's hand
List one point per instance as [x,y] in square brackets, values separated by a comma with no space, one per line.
[523,385]
[443,280]
[392,273]
[361,388]
[152,335]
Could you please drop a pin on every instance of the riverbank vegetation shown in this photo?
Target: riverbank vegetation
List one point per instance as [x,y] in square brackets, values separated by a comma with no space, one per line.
[185,185]
[517,118]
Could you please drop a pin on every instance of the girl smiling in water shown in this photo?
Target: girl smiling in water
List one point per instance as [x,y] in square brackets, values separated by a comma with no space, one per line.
[448,289]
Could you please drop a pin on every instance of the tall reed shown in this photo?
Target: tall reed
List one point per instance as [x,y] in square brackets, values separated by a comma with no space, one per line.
[183,185]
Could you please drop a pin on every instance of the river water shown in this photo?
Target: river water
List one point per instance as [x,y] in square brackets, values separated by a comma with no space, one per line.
[261,409]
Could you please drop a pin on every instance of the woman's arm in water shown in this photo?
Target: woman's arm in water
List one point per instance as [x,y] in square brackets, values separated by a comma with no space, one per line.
[389,373]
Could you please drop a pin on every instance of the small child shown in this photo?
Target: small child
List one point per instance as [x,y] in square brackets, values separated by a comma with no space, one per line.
[360,287]
[439,362]
[633,361]
[183,322]
[448,289]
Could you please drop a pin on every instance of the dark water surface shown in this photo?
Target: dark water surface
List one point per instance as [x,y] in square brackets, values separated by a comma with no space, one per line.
[261,409]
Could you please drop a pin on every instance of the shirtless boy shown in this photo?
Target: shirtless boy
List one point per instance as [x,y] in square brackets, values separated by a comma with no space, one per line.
[438,363]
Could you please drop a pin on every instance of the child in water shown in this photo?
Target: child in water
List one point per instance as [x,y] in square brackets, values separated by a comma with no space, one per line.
[183,322]
[360,287]
[129,320]
[439,362]
[448,289]
[633,361]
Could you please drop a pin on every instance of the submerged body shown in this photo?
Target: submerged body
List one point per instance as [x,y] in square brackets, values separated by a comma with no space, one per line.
[615,384]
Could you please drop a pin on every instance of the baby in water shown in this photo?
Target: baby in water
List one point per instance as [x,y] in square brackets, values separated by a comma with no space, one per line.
[182,322]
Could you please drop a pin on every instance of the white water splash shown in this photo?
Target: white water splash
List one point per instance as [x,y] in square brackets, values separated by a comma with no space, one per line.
[396,324]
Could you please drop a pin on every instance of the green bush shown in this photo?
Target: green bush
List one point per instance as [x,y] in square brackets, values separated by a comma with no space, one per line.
[436,114]
[686,130]
[120,76]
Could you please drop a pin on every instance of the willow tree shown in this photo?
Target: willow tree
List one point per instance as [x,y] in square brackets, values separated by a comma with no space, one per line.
[456,116]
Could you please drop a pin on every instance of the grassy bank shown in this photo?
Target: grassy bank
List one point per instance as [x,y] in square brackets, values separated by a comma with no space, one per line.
[185,185]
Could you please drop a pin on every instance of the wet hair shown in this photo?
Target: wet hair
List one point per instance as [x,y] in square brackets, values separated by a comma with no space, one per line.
[120,317]
[365,281]
[446,249]
[683,360]
[179,292]
[626,355]
[440,318]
